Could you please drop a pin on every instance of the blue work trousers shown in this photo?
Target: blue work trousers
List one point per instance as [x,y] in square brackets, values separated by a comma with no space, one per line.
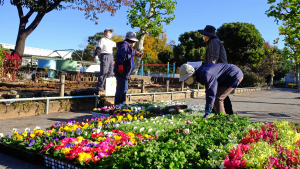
[106,68]
[122,88]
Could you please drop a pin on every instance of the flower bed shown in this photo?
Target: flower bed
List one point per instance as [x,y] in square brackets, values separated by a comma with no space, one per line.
[132,138]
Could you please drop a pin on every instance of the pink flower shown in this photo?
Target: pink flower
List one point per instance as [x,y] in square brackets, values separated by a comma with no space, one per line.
[177,130]
[175,143]
[156,135]
[188,122]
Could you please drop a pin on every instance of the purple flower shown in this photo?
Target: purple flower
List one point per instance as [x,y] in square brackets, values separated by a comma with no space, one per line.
[229,119]
[46,140]
[70,145]
[8,135]
[31,142]
[19,132]
[125,121]
[106,124]
[78,131]
[55,138]
[62,137]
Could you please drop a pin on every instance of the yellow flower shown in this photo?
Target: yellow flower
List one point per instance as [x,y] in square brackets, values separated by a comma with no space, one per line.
[80,138]
[25,133]
[100,123]
[146,135]
[101,138]
[84,156]
[142,117]
[113,120]
[133,140]
[130,135]
[117,138]
[135,118]
[32,135]
[95,109]
[65,150]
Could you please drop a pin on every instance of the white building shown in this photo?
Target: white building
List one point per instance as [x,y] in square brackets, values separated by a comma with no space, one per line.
[30,51]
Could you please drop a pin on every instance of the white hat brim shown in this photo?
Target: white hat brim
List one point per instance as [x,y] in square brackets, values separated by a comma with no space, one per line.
[184,77]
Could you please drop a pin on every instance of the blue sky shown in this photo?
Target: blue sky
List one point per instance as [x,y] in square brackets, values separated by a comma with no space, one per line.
[68,29]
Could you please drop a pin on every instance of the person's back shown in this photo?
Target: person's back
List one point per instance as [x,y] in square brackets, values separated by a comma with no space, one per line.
[221,72]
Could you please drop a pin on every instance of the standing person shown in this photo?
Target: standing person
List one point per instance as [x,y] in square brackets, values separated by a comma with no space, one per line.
[106,58]
[219,80]
[124,65]
[215,53]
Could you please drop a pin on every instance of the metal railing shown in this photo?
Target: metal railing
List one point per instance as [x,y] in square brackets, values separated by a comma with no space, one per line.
[96,96]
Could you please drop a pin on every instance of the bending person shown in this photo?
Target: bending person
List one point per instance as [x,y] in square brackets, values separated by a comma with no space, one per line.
[219,80]
[124,65]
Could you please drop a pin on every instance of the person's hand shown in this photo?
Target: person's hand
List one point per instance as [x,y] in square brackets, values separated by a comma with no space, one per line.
[138,53]
[120,69]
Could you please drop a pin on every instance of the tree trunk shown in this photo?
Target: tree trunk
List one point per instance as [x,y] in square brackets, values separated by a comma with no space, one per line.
[297,74]
[271,80]
[137,60]
[20,43]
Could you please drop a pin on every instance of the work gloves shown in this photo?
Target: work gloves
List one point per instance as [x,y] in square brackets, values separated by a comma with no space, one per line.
[120,69]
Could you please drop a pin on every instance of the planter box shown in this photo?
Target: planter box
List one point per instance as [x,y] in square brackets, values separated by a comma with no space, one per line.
[30,157]
[98,115]
[53,163]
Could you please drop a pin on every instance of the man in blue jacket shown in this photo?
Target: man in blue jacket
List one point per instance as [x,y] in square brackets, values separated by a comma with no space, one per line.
[123,65]
[215,53]
[219,80]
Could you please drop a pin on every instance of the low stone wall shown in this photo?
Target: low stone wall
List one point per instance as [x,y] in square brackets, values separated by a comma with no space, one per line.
[28,108]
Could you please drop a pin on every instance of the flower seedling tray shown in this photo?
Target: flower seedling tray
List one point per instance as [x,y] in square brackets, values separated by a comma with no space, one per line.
[53,163]
[98,115]
[30,157]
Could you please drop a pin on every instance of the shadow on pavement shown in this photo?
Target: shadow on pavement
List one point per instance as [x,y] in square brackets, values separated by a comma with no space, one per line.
[265,102]
[77,119]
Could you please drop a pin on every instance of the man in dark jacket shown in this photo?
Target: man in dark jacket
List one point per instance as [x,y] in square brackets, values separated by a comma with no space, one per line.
[219,80]
[124,65]
[215,53]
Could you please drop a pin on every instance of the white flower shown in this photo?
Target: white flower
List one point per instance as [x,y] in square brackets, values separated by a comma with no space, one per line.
[99,127]
[38,127]
[128,122]
[85,133]
[98,130]
[149,130]
[94,133]
[142,129]
[183,127]
[15,130]
[117,125]
[222,166]
[157,132]
[1,135]
[186,131]
[154,122]
[134,127]
[180,111]
[27,129]
[146,121]
[171,122]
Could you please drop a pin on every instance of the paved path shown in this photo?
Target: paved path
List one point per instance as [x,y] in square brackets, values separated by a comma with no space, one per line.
[262,106]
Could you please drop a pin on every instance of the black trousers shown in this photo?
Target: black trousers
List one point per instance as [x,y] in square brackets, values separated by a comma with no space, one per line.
[227,106]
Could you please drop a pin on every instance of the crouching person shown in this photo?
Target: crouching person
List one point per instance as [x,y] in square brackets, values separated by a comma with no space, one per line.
[219,80]
[124,65]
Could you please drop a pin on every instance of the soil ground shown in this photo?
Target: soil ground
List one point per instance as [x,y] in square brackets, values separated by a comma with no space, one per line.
[261,106]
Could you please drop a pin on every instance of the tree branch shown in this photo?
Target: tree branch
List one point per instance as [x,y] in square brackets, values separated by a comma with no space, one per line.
[53,6]
[34,23]
[28,15]
[20,10]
